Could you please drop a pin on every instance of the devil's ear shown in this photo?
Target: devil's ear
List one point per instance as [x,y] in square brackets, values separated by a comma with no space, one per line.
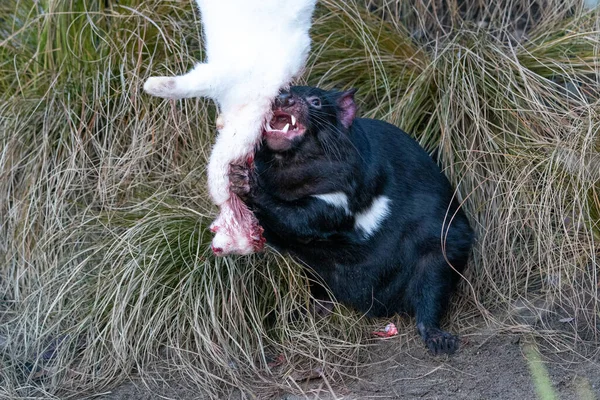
[347,107]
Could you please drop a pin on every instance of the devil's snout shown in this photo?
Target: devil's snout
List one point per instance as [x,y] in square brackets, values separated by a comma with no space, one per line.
[284,100]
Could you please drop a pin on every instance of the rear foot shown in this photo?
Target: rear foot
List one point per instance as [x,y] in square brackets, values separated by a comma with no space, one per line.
[322,308]
[438,341]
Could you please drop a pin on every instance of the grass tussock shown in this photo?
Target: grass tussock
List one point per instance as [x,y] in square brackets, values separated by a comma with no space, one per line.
[104,212]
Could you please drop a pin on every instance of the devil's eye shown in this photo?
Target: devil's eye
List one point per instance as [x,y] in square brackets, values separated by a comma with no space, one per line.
[315,101]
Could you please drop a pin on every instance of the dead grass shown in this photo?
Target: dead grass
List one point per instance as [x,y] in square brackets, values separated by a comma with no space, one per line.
[105,270]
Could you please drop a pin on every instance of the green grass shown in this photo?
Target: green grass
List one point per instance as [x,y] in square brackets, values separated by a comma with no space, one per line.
[104,209]
[539,374]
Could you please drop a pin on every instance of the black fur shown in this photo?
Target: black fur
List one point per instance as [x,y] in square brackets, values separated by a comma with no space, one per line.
[404,265]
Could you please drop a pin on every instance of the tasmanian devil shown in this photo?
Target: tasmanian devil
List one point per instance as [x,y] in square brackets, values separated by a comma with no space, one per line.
[362,205]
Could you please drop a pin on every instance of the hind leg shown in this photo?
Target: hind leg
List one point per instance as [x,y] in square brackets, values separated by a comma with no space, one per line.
[322,304]
[429,294]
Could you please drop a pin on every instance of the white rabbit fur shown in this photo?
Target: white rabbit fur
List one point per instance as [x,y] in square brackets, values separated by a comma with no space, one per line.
[253,49]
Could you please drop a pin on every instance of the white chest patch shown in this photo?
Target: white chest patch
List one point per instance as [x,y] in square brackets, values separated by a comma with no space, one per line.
[336,199]
[371,218]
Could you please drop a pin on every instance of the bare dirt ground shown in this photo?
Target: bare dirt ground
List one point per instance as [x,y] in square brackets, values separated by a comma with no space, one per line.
[486,367]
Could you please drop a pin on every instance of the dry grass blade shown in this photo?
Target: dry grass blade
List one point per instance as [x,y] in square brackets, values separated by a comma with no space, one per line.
[105,243]
[103,206]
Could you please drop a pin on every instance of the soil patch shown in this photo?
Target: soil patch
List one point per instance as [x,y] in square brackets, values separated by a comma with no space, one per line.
[486,367]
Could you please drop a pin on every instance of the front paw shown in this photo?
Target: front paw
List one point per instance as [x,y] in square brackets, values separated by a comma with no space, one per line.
[239,180]
[161,86]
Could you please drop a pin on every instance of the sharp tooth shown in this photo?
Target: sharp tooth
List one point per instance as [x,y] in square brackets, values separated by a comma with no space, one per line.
[293,121]
[286,128]
[268,127]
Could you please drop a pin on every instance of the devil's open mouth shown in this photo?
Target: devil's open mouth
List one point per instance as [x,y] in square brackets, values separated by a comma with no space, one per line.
[282,129]
[284,123]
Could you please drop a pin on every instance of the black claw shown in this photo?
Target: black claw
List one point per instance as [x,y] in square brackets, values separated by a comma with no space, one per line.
[439,342]
[239,180]
[432,347]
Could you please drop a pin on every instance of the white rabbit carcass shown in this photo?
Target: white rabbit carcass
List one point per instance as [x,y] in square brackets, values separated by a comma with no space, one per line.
[254,48]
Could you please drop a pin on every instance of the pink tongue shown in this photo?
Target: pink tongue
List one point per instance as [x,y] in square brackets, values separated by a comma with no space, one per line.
[280,123]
